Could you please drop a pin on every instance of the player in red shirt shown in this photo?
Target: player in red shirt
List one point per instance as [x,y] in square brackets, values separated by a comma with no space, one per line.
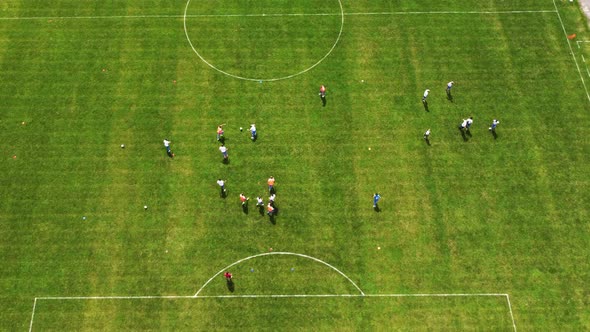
[227,276]
[323,95]
[244,200]
[270,210]
[220,132]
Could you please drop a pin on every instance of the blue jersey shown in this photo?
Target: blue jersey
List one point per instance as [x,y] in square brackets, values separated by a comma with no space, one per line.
[376,199]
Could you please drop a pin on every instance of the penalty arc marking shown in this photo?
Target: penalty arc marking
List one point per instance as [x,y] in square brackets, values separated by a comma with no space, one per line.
[262,79]
[279,253]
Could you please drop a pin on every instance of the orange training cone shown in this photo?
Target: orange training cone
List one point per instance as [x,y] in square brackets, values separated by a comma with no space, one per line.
[572,36]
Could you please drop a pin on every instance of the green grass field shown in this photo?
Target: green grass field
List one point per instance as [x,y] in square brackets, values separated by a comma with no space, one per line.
[504,217]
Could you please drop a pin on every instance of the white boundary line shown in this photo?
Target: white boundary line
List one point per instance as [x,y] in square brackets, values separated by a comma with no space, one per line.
[33,315]
[269,15]
[582,55]
[279,253]
[511,315]
[264,79]
[74,298]
[571,51]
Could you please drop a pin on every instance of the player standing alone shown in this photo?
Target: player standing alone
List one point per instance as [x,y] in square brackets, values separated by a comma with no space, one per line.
[167,146]
[323,95]
[449,87]
[494,125]
[427,136]
[424,102]
[376,198]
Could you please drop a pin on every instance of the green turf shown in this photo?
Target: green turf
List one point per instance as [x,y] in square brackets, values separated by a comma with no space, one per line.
[482,215]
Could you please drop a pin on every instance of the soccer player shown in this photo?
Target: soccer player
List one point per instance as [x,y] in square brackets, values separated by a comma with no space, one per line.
[323,95]
[271,184]
[259,201]
[426,92]
[167,146]
[223,150]
[253,134]
[469,122]
[427,135]
[271,199]
[270,210]
[227,276]
[244,200]
[221,184]
[463,125]
[220,132]
[449,87]
[376,199]
[493,125]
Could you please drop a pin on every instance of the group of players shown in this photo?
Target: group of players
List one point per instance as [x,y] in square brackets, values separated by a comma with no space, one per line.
[465,124]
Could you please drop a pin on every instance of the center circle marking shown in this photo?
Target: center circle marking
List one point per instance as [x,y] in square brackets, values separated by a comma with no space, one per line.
[262,79]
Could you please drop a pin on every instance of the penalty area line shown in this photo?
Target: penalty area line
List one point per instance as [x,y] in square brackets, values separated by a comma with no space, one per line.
[571,50]
[202,297]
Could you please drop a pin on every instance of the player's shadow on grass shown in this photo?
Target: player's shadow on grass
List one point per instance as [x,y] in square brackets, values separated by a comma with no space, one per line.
[450,96]
[427,141]
[261,210]
[376,208]
[223,194]
[225,161]
[468,132]
[425,103]
[245,208]
[324,101]
[230,285]
[494,134]
[273,219]
[222,140]
[463,134]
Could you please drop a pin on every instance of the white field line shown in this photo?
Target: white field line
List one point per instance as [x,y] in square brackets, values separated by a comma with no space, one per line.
[74,298]
[33,315]
[511,315]
[280,253]
[269,15]
[571,51]
[150,297]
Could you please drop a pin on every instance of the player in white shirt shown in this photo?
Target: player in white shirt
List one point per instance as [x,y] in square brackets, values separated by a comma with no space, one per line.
[426,92]
[221,184]
[253,134]
[469,122]
[167,146]
[449,87]
[463,125]
[223,150]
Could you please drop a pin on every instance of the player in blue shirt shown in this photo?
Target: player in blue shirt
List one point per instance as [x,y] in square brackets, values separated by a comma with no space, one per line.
[376,199]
